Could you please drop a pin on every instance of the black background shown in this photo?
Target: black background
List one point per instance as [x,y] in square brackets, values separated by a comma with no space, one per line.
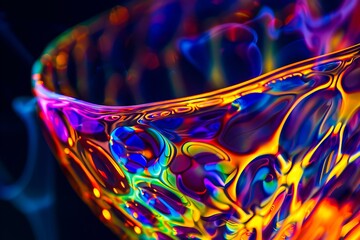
[26,27]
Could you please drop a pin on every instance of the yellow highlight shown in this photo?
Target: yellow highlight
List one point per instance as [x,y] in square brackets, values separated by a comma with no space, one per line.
[96,192]
[71,142]
[285,165]
[337,128]
[269,58]
[106,214]
[66,151]
[137,229]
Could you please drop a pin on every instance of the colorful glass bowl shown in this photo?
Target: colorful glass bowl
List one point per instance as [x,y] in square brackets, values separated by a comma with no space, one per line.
[159,150]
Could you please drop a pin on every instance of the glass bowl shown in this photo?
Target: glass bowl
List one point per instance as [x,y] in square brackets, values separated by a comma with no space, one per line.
[171,125]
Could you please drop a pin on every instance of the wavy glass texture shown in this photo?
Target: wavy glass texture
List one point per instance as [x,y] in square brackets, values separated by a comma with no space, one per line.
[257,154]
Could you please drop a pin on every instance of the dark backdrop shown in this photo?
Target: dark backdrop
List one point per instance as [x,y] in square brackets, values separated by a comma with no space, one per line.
[26,27]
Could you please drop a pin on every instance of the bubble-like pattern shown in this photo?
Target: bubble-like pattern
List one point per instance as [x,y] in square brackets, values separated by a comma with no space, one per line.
[273,157]
[266,160]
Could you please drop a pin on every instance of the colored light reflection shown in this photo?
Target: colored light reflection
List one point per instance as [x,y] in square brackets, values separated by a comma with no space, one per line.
[257,154]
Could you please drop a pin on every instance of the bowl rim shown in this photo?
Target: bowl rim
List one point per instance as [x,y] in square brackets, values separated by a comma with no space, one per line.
[224,95]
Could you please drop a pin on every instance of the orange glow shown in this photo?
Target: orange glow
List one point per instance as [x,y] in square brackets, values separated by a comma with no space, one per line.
[106,214]
[66,151]
[61,60]
[119,15]
[325,222]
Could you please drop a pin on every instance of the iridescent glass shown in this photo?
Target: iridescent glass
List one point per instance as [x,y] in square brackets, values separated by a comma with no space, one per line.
[171,123]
